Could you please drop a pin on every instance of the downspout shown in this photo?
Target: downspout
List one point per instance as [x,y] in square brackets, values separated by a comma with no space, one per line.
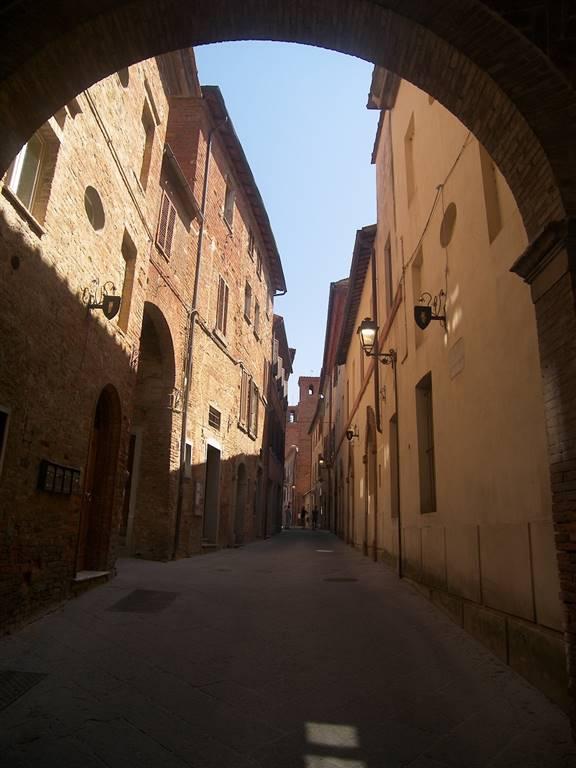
[332,523]
[397,440]
[378,424]
[190,340]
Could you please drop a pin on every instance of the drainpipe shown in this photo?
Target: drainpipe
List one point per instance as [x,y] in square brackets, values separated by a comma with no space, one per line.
[190,339]
[397,441]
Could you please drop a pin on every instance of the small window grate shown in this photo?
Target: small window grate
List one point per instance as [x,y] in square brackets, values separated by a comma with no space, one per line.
[214,418]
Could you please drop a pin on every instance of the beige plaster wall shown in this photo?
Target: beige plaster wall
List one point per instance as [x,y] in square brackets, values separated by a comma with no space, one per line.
[490,539]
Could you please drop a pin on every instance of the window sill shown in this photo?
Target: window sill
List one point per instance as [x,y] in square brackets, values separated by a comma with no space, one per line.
[220,336]
[248,320]
[256,336]
[23,212]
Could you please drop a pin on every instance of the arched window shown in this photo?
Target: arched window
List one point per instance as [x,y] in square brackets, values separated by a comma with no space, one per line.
[292,417]
[310,390]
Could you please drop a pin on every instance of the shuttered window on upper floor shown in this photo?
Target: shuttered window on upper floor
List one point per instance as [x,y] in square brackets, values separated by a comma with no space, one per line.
[222,307]
[166,223]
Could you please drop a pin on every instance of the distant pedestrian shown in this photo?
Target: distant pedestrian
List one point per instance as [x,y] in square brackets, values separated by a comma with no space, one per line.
[303,517]
[315,518]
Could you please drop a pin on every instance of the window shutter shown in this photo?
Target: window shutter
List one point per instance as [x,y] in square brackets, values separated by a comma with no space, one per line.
[166,224]
[162,222]
[253,428]
[170,228]
[244,399]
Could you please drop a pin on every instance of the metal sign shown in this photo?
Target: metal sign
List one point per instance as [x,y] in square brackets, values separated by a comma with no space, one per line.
[422,316]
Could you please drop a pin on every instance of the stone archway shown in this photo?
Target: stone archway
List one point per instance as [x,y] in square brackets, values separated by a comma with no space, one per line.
[150,528]
[511,85]
[510,94]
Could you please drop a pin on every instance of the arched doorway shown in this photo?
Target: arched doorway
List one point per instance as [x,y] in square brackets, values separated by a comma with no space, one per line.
[149,517]
[97,509]
[420,42]
[240,504]
[371,501]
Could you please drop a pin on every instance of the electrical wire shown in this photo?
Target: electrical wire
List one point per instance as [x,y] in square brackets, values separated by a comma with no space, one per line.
[437,197]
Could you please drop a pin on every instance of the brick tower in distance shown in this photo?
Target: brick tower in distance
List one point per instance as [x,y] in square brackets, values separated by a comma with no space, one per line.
[298,422]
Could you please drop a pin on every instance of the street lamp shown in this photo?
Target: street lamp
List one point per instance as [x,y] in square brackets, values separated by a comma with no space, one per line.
[368,331]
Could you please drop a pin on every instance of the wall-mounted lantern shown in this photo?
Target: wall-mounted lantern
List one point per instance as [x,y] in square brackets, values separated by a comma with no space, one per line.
[368,332]
[109,303]
[352,433]
[430,308]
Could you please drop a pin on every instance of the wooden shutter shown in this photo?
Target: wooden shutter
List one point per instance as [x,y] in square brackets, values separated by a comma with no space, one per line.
[222,307]
[166,224]
[244,399]
[256,318]
[254,402]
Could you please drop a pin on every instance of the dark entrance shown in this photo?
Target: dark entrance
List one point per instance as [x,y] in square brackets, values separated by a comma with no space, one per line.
[240,511]
[99,483]
[211,495]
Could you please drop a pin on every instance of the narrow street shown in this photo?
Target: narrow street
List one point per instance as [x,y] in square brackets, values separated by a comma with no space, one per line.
[296,652]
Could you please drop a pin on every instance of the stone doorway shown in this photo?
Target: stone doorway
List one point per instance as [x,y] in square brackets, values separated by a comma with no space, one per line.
[99,484]
[150,514]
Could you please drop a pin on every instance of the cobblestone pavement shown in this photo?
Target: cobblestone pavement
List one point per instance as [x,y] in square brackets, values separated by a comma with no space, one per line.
[296,652]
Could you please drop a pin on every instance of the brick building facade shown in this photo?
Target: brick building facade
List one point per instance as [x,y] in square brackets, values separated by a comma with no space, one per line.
[143,433]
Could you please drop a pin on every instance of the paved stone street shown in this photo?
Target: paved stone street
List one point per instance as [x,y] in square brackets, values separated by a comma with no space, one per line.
[296,652]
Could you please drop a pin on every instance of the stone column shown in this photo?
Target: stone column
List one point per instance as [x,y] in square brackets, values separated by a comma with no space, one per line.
[549,266]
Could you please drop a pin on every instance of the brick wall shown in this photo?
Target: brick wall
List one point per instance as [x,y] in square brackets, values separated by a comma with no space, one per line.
[56,357]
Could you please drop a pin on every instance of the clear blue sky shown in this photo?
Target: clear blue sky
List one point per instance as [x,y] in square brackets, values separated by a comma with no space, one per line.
[300,113]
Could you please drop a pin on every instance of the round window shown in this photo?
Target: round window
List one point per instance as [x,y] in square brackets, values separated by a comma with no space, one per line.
[94,208]
[124,77]
[448,224]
